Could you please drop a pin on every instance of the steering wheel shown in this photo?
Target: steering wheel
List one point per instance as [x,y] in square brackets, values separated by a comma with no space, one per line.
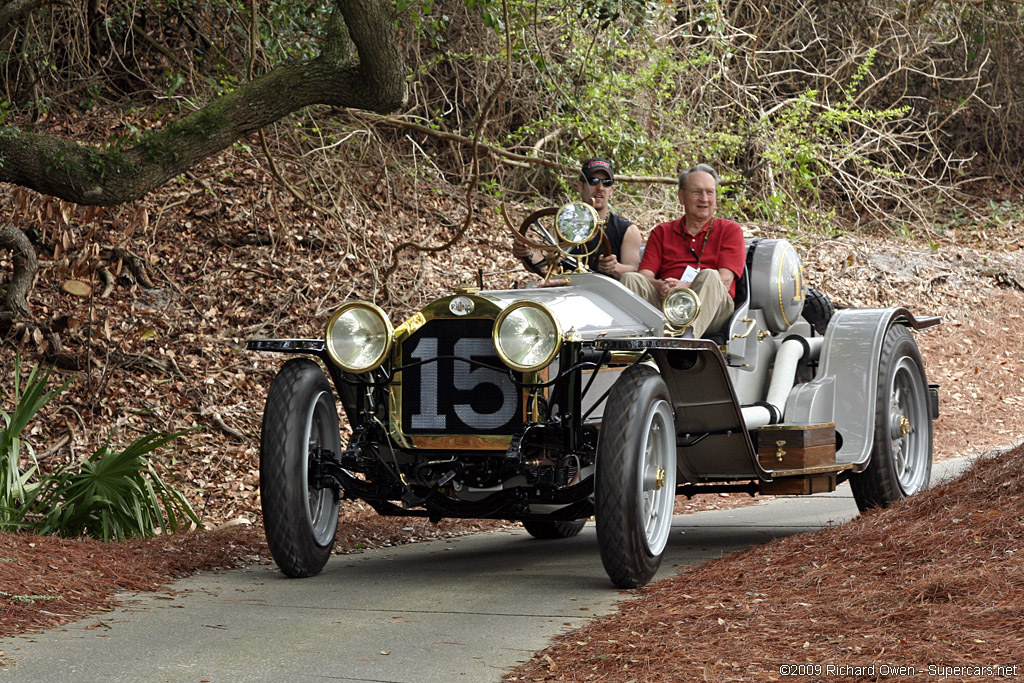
[538,231]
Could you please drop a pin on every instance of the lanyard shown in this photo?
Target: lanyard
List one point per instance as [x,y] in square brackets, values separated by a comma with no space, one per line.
[703,246]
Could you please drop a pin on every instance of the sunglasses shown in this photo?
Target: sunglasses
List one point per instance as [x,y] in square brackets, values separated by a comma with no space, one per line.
[607,182]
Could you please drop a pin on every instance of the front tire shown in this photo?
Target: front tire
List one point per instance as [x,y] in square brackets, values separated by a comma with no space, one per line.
[901,454]
[635,483]
[545,529]
[299,421]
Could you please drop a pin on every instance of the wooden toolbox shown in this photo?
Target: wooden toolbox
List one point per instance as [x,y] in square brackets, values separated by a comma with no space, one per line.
[796,447]
[799,486]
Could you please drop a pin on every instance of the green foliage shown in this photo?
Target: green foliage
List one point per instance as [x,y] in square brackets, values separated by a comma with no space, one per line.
[807,141]
[803,130]
[110,495]
[605,81]
[607,85]
[174,81]
[291,29]
[29,398]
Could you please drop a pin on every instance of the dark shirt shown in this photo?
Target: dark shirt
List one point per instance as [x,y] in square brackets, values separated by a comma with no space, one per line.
[615,228]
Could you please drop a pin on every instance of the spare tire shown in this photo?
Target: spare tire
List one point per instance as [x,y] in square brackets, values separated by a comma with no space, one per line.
[818,309]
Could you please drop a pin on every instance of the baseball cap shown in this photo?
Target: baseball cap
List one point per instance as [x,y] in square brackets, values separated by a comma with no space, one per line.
[592,166]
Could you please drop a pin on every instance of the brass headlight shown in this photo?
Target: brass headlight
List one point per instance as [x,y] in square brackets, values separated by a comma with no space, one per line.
[681,306]
[526,336]
[359,336]
[577,222]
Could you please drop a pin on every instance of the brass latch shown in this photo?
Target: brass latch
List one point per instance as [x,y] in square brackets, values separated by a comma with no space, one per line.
[781,452]
[750,328]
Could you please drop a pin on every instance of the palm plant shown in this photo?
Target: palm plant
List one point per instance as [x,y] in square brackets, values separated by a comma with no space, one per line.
[112,495]
[29,399]
[109,495]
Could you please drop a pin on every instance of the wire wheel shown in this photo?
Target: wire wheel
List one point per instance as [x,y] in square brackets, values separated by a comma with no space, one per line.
[635,483]
[901,453]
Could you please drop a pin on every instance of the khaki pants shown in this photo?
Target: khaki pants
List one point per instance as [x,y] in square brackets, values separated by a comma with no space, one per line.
[715,303]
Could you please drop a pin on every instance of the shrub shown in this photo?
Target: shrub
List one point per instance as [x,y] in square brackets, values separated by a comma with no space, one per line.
[29,399]
[111,495]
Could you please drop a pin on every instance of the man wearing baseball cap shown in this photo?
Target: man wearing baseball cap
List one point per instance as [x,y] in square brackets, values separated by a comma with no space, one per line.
[596,185]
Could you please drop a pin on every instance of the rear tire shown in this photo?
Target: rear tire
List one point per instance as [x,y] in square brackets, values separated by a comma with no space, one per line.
[300,418]
[546,529]
[635,485]
[901,454]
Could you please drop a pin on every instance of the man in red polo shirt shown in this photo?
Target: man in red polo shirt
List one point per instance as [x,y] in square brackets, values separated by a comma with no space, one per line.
[698,251]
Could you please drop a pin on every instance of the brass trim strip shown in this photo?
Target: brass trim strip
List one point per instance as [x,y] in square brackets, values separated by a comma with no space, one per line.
[819,469]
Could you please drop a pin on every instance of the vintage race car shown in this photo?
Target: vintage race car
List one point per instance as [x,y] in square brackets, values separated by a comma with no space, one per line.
[550,405]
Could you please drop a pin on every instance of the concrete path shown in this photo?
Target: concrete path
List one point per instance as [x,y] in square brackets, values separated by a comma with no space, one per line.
[466,609]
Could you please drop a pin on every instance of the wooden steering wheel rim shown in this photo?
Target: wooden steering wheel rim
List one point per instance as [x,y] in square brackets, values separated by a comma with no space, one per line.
[524,227]
[605,248]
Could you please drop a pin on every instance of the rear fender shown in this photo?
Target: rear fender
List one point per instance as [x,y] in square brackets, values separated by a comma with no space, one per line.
[844,388]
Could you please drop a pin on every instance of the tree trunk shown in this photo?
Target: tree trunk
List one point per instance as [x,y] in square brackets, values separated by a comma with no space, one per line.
[25,267]
[360,65]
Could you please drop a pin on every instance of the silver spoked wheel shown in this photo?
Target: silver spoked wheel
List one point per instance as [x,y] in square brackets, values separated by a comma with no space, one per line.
[908,422]
[901,450]
[321,506]
[300,426]
[657,480]
[635,479]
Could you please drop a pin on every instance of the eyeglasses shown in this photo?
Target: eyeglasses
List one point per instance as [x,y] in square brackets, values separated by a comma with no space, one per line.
[594,180]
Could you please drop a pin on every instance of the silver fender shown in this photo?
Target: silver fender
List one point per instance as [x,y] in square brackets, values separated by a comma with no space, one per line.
[843,391]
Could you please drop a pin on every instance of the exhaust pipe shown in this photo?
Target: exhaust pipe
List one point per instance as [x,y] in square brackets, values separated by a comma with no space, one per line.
[791,352]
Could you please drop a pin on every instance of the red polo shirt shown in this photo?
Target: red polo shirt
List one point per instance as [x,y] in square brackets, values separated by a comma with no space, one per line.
[719,244]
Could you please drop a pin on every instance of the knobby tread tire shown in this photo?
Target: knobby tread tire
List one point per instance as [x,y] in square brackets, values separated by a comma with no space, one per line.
[624,553]
[878,486]
[285,519]
[544,529]
[818,309]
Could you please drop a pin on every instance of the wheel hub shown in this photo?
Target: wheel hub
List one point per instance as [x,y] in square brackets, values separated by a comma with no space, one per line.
[659,478]
[904,425]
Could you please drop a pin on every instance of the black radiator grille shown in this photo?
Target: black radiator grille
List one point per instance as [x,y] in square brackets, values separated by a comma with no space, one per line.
[451,396]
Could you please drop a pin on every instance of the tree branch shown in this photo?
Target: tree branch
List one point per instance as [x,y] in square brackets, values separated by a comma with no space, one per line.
[25,267]
[501,155]
[113,175]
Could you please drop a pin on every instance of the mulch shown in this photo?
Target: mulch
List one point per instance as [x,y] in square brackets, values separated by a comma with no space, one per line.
[930,584]
[172,357]
[46,580]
